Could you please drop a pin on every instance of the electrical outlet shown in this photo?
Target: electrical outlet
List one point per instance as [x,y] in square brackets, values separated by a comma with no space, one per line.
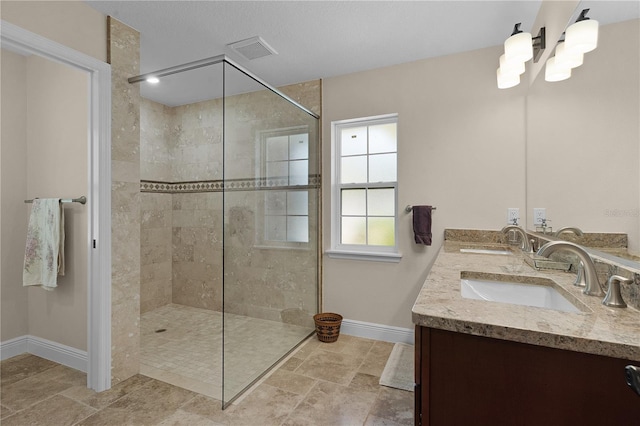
[513,214]
[539,214]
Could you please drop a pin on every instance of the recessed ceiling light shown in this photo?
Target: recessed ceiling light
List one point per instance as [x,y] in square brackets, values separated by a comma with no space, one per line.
[153,80]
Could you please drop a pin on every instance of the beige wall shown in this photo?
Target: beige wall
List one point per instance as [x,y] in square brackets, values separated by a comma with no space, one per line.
[59,316]
[13,181]
[71,23]
[461,147]
[583,139]
[50,161]
[57,143]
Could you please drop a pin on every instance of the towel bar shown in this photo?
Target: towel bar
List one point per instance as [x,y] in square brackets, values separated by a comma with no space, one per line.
[81,200]
[409,208]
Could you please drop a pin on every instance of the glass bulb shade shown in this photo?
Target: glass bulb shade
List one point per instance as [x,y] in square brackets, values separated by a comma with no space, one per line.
[506,80]
[518,48]
[507,67]
[554,72]
[582,36]
[566,58]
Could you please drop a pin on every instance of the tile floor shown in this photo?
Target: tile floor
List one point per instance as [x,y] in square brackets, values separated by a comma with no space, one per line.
[321,384]
[189,352]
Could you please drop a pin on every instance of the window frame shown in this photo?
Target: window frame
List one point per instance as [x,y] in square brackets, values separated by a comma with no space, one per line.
[358,251]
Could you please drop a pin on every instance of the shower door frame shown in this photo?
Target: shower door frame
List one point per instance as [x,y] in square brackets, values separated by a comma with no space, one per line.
[98,365]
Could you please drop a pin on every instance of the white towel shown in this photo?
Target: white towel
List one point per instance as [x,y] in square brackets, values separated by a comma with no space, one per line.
[44,254]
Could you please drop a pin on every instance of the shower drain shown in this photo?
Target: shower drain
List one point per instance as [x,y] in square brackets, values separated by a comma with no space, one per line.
[161,330]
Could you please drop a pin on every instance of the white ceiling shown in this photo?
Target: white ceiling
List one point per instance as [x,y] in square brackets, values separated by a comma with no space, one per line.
[318,39]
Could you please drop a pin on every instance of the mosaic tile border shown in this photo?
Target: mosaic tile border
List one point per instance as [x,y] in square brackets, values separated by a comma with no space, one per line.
[259,184]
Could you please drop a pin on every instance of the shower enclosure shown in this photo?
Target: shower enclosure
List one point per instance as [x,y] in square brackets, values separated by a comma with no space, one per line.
[230,225]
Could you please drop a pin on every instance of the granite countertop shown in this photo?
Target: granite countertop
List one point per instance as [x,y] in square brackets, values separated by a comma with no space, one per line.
[597,329]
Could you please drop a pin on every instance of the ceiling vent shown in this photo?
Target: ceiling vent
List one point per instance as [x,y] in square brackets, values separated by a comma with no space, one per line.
[252,48]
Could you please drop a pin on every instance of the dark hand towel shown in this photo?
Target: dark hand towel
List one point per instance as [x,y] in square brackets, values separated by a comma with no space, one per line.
[422,224]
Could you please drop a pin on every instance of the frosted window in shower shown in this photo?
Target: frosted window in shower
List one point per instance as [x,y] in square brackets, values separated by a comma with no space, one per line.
[286,157]
[277,148]
[299,172]
[297,203]
[299,147]
[285,166]
[278,170]
[298,229]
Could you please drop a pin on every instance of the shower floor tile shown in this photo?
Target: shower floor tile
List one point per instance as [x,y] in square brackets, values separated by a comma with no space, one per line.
[188,353]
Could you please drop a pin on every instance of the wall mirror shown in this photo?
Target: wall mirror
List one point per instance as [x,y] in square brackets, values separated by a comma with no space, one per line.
[583,134]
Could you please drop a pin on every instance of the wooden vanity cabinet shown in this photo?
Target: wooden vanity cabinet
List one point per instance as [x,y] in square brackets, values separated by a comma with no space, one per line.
[463,379]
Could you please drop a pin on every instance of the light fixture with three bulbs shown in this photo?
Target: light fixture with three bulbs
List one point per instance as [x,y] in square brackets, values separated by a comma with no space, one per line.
[518,49]
[579,38]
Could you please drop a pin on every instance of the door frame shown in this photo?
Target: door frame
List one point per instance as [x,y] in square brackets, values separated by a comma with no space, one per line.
[98,196]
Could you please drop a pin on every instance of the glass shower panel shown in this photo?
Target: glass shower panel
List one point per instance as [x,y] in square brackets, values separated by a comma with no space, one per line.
[270,209]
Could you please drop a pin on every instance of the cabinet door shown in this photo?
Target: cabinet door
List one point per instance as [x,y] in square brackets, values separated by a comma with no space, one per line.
[483,381]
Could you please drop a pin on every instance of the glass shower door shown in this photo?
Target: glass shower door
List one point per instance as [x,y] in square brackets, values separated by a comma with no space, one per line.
[270,206]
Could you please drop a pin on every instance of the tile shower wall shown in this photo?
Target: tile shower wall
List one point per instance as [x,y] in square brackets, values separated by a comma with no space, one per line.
[184,144]
[197,135]
[123,55]
[155,251]
[197,250]
[156,223]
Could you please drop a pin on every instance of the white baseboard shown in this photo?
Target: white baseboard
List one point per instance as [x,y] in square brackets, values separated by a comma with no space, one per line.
[13,347]
[368,330]
[56,352]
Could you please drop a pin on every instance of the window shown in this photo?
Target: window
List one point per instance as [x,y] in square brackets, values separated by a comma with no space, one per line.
[364,196]
[285,164]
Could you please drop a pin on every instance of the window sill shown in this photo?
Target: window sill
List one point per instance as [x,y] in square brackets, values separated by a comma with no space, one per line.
[359,255]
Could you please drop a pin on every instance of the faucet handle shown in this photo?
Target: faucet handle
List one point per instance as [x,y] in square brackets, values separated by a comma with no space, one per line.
[613,297]
[580,280]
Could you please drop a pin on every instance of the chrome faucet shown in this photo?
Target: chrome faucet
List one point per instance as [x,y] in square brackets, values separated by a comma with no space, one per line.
[573,229]
[523,236]
[592,284]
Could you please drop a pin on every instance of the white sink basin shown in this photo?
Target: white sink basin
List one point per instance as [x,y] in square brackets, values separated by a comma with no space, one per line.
[485,251]
[539,295]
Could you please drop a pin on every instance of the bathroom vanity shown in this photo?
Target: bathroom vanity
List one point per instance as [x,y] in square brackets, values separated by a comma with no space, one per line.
[489,362]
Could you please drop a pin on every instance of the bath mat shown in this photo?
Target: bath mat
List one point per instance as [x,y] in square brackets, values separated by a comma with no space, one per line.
[398,372]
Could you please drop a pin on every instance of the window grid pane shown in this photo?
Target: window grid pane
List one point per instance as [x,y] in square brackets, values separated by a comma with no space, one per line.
[383,168]
[354,230]
[381,202]
[381,231]
[382,138]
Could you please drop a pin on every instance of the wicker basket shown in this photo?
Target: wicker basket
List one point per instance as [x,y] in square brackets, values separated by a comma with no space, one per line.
[328,326]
